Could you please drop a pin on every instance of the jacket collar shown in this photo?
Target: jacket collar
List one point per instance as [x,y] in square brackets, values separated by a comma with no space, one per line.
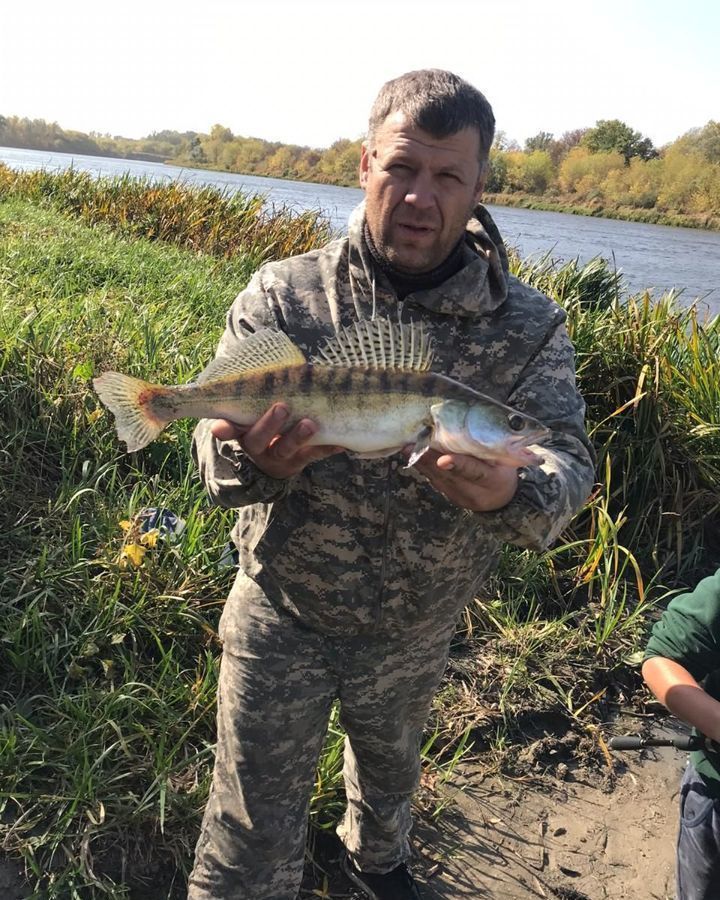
[480,287]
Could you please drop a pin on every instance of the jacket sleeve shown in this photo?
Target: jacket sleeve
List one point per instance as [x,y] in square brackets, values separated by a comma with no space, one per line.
[549,494]
[229,475]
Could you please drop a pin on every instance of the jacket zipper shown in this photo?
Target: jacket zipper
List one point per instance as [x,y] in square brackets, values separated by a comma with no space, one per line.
[385,532]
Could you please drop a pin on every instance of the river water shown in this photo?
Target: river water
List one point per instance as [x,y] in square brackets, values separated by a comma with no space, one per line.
[654,257]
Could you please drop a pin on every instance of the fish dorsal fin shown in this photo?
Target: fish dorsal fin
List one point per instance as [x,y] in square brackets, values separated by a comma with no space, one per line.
[261,351]
[378,344]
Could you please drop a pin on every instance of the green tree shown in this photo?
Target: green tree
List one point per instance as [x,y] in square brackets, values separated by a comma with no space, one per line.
[543,140]
[612,135]
[196,153]
[339,163]
[528,172]
[496,180]
[539,172]
[704,141]
[215,144]
[250,155]
[504,143]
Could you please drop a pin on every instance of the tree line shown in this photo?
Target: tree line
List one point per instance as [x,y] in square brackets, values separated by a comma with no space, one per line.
[604,168]
[613,167]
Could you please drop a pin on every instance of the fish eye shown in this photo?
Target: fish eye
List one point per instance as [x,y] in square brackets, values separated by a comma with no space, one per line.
[516,422]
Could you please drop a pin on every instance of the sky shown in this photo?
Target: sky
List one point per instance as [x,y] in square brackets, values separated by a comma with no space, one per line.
[306,71]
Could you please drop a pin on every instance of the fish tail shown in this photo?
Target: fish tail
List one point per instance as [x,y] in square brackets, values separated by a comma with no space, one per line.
[130,400]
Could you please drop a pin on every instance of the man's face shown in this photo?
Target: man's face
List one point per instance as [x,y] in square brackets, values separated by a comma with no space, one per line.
[419,191]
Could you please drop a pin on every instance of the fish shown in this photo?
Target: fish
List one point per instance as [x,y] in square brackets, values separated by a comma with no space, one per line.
[370,389]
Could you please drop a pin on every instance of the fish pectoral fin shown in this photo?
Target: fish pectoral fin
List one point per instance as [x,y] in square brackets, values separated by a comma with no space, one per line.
[262,351]
[422,445]
[378,344]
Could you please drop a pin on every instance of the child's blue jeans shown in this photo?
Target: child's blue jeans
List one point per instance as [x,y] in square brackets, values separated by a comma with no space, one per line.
[698,848]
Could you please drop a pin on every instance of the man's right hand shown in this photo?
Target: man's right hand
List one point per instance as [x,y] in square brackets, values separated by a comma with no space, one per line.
[276,454]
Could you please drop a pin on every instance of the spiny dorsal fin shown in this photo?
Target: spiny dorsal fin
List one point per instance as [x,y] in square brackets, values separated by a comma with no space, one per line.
[378,344]
[261,351]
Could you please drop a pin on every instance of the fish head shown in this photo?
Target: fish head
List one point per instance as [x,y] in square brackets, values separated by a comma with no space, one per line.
[487,429]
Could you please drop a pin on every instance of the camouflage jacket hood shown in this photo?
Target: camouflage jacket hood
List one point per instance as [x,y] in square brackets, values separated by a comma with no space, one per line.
[353,545]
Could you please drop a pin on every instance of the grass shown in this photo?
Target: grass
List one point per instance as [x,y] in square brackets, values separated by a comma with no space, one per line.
[198,218]
[108,672]
[108,666]
[649,369]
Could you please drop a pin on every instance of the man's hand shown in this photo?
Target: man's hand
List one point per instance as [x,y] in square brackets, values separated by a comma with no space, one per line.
[475,484]
[275,454]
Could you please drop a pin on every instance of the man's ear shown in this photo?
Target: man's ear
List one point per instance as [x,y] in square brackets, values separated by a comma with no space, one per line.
[482,178]
[364,163]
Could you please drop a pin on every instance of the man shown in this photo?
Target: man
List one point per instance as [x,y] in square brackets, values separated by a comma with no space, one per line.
[353,572]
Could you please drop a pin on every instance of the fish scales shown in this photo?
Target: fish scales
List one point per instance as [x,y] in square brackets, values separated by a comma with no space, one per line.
[345,402]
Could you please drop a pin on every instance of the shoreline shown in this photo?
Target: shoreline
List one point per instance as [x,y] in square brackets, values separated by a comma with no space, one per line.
[644,216]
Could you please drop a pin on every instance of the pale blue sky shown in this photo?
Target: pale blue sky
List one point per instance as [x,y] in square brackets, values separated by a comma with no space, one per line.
[306,71]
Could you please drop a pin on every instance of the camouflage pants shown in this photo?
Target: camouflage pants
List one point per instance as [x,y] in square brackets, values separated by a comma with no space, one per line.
[278,681]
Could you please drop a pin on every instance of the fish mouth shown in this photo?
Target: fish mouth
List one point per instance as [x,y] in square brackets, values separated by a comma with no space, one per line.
[528,457]
[518,445]
[533,435]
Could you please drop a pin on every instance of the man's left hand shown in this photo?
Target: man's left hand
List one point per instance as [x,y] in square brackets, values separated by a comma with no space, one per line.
[476,484]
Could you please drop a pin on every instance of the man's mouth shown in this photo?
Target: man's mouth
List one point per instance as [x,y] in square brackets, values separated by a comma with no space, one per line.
[412,228]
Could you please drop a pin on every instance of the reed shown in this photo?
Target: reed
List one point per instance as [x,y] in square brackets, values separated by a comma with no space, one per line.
[649,369]
[201,218]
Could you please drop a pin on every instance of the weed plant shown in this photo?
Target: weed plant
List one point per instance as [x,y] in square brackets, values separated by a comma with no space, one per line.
[108,646]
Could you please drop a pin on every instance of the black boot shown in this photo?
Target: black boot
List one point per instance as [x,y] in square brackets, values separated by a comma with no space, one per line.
[395,885]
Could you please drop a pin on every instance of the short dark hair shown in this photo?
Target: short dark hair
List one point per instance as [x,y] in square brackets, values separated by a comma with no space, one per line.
[437,101]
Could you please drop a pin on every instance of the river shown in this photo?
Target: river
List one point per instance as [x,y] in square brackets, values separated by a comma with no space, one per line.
[654,257]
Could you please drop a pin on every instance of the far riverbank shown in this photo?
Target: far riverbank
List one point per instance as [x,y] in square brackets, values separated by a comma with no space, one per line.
[565,204]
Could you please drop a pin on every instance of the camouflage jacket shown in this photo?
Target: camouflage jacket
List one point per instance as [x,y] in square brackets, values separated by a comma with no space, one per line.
[353,545]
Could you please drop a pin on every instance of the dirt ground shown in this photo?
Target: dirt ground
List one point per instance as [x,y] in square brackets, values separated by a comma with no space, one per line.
[567,834]
[574,839]
[572,834]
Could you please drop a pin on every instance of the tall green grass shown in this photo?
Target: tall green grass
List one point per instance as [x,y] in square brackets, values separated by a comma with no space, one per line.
[200,218]
[108,669]
[649,369]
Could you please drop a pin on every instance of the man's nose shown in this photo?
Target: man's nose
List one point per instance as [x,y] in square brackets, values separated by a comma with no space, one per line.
[421,193]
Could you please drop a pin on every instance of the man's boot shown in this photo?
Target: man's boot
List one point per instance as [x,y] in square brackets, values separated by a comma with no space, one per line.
[397,884]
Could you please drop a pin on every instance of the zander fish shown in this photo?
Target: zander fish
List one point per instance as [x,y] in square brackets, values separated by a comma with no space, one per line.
[370,390]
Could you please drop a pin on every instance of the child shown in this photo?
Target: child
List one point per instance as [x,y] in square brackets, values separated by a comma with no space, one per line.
[684,649]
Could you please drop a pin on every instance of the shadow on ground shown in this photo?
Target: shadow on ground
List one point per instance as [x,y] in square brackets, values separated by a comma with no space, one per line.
[588,835]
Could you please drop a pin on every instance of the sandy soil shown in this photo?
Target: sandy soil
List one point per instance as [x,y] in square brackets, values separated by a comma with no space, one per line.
[574,839]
